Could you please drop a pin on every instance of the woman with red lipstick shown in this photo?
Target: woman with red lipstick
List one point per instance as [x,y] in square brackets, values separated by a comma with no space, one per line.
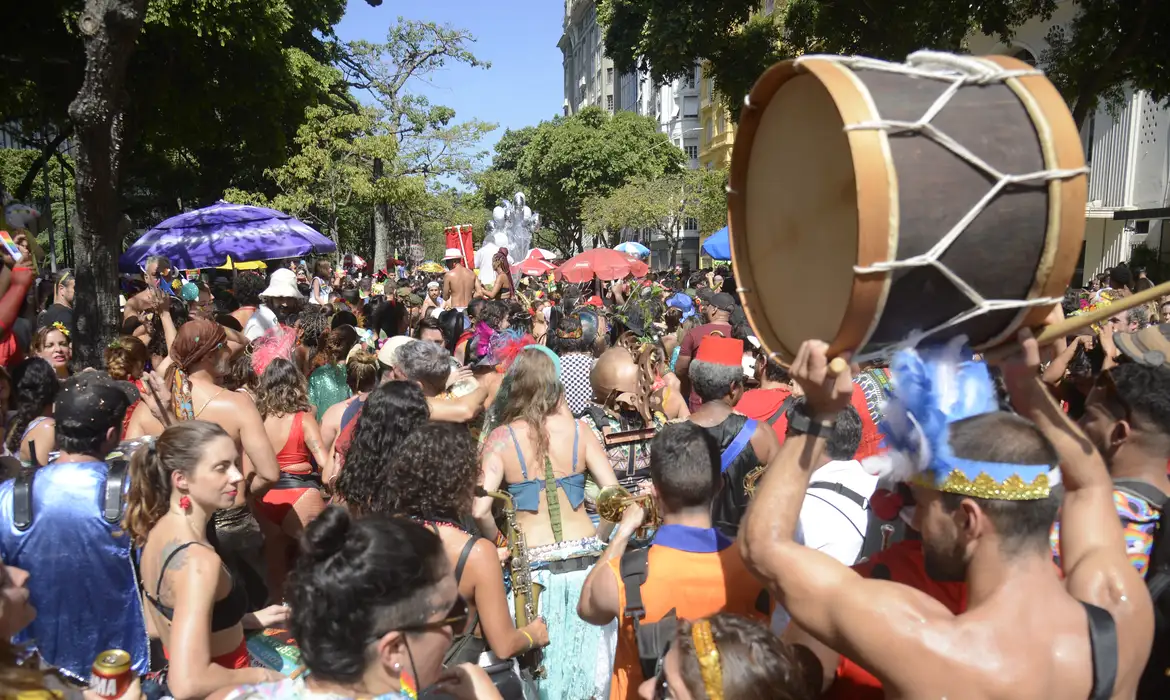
[197,605]
[52,344]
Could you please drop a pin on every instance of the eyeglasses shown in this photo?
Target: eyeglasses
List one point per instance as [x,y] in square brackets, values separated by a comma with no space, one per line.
[456,619]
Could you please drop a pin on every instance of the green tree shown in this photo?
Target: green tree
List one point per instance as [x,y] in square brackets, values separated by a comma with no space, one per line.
[430,142]
[660,206]
[1107,46]
[590,154]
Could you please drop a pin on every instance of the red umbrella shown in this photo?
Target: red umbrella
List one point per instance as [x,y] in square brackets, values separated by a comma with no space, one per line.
[534,264]
[601,263]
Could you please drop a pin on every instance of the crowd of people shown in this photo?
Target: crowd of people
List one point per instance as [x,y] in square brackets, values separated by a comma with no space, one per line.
[481,485]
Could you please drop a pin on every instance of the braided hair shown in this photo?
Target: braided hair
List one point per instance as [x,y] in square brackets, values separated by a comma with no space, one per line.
[34,387]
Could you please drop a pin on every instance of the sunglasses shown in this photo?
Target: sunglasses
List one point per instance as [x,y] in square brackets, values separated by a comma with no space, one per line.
[456,619]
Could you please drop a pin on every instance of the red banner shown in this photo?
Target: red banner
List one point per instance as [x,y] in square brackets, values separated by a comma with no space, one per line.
[459,238]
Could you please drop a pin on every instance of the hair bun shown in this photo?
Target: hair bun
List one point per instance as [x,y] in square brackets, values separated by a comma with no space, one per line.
[327,534]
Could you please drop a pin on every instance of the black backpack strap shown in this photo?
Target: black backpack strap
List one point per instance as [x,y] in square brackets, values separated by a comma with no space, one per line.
[470,545]
[780,411]
[22,508]
[1103,643]
[764,602]
[651,638]
[1141,489]
[115,498]
[843,490]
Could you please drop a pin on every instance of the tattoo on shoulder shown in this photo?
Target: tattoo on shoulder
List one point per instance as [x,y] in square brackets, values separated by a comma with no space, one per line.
[180,558]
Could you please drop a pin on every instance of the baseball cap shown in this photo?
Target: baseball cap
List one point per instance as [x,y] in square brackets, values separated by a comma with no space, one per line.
[92,402]
[722,301]
[1149,346]
[388,354]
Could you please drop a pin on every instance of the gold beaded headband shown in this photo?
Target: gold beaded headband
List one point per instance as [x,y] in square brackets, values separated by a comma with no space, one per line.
[708,655]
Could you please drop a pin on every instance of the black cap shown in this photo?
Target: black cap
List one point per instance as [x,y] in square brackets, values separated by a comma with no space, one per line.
[722,301]
[90,403]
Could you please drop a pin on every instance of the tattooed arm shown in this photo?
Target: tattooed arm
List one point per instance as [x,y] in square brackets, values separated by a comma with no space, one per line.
[492,466]
[190,581]
[313,441]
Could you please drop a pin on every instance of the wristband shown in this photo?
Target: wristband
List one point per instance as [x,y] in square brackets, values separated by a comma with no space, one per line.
[531,642]
[501,539]
[800,423]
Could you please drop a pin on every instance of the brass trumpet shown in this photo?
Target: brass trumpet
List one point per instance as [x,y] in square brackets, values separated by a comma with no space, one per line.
[613,501]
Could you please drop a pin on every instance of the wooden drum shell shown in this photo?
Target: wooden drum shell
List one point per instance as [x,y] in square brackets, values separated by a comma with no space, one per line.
[809,200]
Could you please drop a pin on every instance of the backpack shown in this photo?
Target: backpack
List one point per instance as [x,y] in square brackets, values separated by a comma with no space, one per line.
[653,638]
[1155,682]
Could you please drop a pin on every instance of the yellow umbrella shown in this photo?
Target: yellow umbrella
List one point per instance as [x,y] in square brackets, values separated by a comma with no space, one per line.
[253,265]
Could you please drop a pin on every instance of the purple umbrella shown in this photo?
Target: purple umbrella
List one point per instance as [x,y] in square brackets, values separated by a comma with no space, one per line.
[206,237]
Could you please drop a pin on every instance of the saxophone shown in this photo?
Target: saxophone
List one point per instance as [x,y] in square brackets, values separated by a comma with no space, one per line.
[525,593]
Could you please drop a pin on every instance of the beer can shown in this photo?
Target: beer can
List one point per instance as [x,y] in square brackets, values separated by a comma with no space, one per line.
[111,674]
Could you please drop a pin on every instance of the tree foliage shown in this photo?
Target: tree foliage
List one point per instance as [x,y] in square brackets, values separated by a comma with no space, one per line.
[1107,45]
[660,206]
[569,160]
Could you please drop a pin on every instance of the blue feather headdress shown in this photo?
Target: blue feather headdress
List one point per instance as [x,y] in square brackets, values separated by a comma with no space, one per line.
[932,388]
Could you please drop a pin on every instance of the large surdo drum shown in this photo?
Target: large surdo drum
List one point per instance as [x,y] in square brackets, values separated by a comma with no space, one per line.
[873,203]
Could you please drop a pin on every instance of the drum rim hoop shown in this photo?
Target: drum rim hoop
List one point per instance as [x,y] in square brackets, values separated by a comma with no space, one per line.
[1060,143]
[877,200]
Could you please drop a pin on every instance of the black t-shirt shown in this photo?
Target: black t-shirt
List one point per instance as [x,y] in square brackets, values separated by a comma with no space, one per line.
[56,313]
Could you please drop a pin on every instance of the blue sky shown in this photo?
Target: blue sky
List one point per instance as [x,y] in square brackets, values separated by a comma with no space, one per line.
[519,37]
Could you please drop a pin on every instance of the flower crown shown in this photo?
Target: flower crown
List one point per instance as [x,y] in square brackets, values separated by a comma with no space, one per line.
[60,327]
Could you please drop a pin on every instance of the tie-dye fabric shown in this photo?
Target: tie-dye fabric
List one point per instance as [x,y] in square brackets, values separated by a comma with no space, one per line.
[1138,519]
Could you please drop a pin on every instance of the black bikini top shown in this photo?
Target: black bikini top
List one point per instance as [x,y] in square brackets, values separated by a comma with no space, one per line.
[225,614]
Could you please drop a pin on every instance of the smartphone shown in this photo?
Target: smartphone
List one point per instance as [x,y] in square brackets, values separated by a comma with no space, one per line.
[10,246]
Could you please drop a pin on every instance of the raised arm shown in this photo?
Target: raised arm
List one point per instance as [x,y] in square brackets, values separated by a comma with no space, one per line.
[878,623]
[1092,546]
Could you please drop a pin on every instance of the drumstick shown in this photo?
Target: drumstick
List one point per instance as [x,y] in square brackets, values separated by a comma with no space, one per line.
[1075,323]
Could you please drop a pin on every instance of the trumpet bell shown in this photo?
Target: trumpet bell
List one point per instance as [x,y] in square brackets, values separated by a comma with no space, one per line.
[612,502]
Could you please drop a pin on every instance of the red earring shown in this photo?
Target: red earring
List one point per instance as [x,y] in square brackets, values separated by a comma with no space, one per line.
[185,503]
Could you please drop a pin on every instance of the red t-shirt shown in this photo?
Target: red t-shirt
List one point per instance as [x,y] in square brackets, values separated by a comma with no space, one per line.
[762,404]
[690,345]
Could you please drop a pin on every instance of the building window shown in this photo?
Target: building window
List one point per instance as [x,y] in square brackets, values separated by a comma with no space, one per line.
[692,151]
[609,102]
[689,81]
[691,224]
[707,131]
[722,121]
[690,106]
[609,76]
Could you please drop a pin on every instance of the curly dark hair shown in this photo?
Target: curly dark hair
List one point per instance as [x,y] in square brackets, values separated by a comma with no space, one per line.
[569,336]
[389,414]
[247,288]
[432,474]
[241,374]
[356,579]
[34,387]
[494,313]
[313,322]
[519,319]
[283,390]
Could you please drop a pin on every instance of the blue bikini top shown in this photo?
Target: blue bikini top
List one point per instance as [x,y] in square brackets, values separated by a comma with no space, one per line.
[526,494]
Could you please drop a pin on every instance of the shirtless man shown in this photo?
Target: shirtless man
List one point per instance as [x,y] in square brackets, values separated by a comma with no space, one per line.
[458,283]
[156,272]
[200,351]
[1026,633]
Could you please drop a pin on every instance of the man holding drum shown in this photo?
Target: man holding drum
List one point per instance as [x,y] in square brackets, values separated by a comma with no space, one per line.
[980,480]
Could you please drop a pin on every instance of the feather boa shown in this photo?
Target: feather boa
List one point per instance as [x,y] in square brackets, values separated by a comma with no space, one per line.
[932,388]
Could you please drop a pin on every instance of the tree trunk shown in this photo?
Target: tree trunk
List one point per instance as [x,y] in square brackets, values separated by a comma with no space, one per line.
[382,247]
[109,29]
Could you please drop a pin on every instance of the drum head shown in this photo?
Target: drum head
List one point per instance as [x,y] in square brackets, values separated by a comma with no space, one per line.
[798,246]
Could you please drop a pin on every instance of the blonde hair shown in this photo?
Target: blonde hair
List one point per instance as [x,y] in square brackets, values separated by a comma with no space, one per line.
[123,355]
[535,394]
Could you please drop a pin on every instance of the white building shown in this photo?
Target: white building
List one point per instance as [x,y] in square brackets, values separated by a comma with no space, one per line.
[589,75]
[1129,183]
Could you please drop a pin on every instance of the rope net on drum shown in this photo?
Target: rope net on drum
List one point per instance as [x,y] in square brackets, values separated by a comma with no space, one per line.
[959,71]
